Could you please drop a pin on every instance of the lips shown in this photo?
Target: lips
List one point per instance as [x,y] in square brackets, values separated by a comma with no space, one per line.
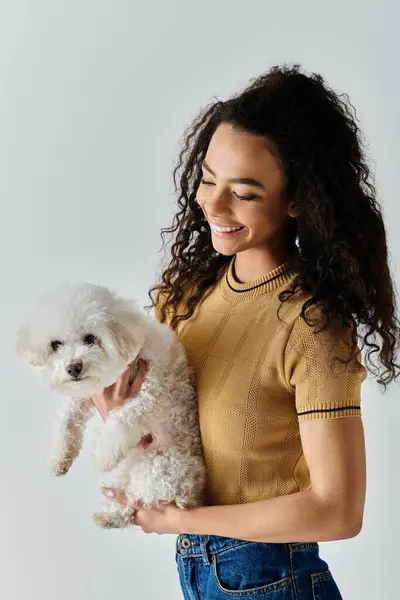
[217,224]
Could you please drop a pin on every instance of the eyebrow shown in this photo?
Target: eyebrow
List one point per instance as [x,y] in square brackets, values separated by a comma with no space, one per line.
[246,180]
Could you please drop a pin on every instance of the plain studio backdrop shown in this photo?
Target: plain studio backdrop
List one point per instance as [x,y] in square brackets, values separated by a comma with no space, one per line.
[94,97]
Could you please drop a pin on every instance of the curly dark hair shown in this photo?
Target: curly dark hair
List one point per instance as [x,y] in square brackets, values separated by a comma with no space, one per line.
[337,243]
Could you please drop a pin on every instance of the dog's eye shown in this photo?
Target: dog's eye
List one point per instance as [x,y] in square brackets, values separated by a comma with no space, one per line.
[55,344]
[90,339]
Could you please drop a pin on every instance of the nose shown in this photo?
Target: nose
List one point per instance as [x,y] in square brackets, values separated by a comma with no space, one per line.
[219,203]
[74,368]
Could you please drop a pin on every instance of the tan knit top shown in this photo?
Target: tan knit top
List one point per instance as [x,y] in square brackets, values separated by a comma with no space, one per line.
[256,377]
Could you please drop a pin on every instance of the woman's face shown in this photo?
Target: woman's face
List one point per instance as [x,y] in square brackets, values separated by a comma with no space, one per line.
[256,204]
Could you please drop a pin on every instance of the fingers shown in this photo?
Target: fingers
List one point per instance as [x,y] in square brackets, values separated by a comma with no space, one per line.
[116,494]
[120,496]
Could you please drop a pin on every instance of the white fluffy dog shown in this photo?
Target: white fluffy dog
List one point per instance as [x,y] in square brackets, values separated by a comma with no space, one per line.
[80,338]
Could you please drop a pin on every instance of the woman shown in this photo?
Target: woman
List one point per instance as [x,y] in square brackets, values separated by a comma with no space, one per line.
[268,312]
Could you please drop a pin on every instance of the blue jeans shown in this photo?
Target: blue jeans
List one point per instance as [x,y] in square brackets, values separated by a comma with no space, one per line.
[211,567]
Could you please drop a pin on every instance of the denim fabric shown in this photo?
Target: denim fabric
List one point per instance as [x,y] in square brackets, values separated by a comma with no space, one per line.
[211,567]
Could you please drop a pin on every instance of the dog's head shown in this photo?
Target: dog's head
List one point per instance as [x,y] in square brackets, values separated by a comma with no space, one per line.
[81,337]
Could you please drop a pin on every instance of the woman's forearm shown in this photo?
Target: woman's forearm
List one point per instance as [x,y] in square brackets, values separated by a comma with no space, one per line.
[298,517]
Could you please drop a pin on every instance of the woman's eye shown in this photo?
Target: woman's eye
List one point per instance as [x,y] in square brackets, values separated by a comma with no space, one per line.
[55,344]
[245,197]
[237,195]
[90,339]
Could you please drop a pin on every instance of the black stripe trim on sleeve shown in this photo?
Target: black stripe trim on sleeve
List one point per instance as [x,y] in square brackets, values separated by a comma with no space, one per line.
[307,412]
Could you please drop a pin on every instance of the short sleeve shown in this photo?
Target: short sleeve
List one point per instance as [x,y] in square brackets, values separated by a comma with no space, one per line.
[324,388]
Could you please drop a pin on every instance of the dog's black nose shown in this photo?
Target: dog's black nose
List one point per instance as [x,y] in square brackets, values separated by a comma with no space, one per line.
[74,369]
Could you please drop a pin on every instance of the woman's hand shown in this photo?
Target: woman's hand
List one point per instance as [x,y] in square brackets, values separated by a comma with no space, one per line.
[116,394]
[167,518]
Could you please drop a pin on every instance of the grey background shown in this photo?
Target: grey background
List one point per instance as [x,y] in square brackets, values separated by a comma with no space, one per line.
[94,96]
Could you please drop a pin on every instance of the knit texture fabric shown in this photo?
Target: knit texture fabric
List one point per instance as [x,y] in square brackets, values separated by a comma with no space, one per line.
[257,375]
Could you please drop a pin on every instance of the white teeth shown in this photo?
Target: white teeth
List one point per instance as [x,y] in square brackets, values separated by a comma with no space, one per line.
[222,229]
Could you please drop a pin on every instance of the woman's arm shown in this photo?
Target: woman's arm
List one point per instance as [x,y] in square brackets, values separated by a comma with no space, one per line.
[332,509]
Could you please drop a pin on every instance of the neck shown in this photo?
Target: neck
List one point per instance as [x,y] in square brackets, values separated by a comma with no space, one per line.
[252,264]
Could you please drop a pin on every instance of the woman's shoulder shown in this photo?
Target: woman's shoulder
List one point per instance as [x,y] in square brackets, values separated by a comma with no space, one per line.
[319,342]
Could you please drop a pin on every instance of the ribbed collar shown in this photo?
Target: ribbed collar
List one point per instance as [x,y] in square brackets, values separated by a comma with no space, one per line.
[235,291]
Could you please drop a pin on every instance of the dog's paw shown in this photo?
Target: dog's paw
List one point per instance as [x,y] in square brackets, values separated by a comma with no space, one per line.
[61,467]
[106,521]
[113,521]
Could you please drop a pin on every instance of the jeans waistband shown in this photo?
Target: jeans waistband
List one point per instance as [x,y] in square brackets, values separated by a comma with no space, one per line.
[191,545]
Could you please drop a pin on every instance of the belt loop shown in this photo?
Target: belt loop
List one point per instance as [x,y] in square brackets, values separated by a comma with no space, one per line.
[204,550]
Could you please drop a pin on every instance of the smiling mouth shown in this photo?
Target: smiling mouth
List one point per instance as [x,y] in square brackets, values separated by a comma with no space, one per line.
[229,234]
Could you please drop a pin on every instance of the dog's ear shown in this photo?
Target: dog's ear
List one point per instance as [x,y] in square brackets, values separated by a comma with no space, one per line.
[127,328]
[26,349]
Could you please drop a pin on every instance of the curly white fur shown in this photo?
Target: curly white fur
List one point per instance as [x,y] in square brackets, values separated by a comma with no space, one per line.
[80,338]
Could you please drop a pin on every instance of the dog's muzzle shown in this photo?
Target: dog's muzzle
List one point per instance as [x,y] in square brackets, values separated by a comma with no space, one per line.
[74,369]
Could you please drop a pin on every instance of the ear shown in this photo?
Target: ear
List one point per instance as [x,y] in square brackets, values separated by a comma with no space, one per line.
[26,349]
[294,210]
[128,328]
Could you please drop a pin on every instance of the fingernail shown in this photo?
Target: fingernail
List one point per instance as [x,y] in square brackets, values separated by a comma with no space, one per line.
[109,492]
